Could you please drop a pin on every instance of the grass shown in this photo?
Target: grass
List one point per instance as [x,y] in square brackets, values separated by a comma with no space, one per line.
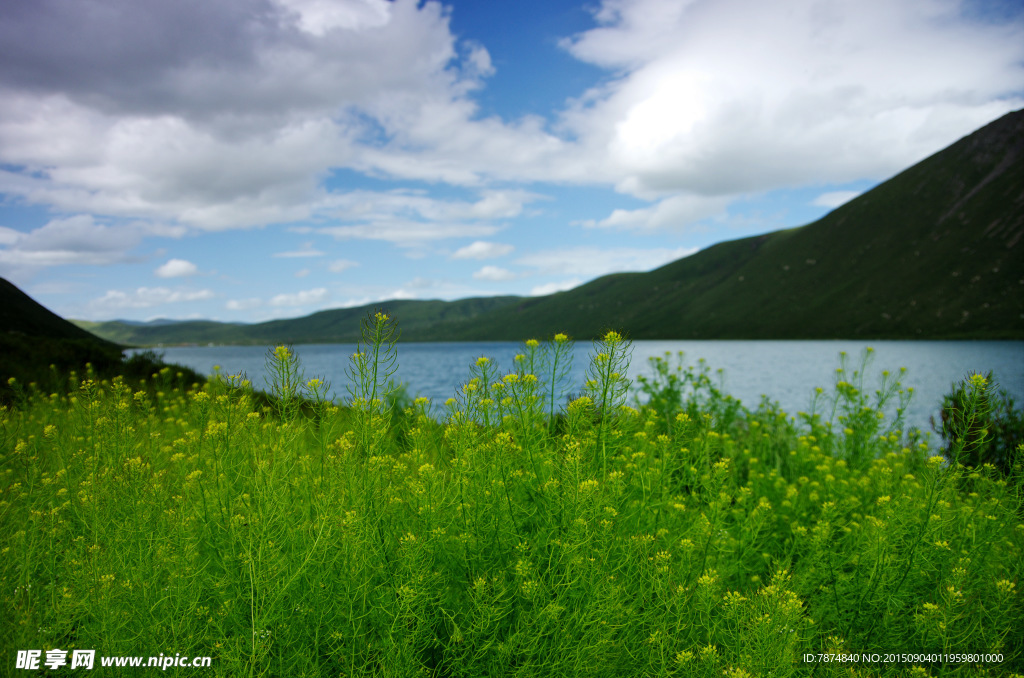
[687,536]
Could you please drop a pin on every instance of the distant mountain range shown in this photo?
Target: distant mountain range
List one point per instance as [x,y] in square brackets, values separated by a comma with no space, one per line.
[933,253]
[416,319]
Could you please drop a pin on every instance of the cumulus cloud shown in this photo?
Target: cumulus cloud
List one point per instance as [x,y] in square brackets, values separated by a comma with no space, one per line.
[318,17]
[307,250]
[417,204]
[147,297]
[8,236]
[835,198]
[551,288]
[159,118]
[176,268]
[78,239]
[407,217]
[421,287]
[408,233]
[229,114]
[221,114]
[591,262]
[674,213]
[493,273]
[303,298]
[481,249]
[339,265]
[201,60]
[721,98]
[243,304]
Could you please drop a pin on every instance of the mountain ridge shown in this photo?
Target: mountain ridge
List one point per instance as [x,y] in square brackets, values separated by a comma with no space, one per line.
[934,252]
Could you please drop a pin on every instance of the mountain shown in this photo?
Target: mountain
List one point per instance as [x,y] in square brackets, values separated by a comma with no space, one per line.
[167,331]
[935,252]
[32,338]
[416,319]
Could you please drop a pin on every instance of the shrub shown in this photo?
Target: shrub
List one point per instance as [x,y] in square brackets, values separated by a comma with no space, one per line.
[981,425]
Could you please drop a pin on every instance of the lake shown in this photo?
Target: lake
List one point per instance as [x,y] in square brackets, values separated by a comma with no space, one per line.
[785,371]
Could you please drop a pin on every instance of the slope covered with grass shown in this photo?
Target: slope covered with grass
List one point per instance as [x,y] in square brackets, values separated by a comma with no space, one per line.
[934,252]
[333,326]
[32,338]
[39,350]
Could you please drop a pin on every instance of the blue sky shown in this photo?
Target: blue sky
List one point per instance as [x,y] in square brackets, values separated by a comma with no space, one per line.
[257,159]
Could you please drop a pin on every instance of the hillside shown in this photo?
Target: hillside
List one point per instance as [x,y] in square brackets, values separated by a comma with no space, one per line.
[416,317]
[933,253]
[32,338]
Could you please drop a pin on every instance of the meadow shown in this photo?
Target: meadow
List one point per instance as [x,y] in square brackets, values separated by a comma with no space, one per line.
[539,528]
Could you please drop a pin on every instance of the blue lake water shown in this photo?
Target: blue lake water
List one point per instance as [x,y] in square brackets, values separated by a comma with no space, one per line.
[785,371]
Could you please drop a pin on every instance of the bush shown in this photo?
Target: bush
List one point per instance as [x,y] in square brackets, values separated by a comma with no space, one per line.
[981,425]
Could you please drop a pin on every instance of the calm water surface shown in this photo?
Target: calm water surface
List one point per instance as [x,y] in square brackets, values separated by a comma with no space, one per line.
[785,371]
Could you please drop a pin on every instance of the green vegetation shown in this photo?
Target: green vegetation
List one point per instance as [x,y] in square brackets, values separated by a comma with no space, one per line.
[688,536]
[40,348]
[28,331]
[326,327]
[932,253]
[981,425]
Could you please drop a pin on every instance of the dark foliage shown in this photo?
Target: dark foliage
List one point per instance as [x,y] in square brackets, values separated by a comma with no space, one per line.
[981,424]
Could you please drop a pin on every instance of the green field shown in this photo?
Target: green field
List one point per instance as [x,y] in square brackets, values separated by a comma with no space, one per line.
[529,532]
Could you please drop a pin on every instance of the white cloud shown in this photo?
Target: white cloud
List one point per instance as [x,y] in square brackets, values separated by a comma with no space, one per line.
[408,233]
[478,61]
[481,249]
[319,17]
[671,214]
[78,239]
[147,297]
[835,198]
[243,304]
[302,273]
[421,287]
[408,204]
[303,298]
[591,262]
[306,250]
[163,168]
[407,217]
[176,268]
[339,265]
[8,236]
[727,97]
[551,288]
[224,115]
[220,115]
[494,273]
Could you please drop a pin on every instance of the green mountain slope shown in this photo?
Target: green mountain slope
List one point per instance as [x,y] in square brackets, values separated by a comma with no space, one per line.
[20,315]
[933,253]
[32,338]
[416,318]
